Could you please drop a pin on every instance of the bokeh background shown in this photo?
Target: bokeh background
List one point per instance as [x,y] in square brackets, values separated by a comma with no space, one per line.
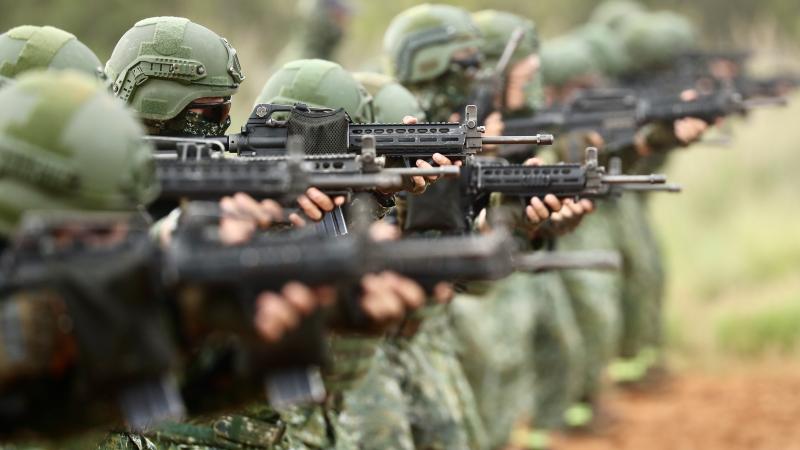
[732,239]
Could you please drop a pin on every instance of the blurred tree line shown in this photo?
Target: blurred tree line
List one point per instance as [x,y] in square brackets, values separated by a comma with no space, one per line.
[99,23]
[260,29]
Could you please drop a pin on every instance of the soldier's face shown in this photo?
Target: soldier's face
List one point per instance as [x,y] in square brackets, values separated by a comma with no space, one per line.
[466,61]
[212,109]
[520,76]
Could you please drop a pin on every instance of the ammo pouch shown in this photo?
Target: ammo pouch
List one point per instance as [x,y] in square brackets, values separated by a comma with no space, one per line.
[439,208]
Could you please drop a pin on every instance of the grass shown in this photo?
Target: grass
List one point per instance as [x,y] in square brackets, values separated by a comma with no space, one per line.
[732,242]
[773,330]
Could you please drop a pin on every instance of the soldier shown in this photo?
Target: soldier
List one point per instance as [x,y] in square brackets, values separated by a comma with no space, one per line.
[569,64]
[652,42]
[63,171]
[324,84]
[432,50]
[194,101]
[499,335]
[30,47]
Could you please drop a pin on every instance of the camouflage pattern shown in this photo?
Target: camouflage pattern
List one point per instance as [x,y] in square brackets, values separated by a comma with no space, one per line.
[67,165]
[259,427]
[30,339]
[595,296]
[643,287]
[30,47]
[416,396]
[496,335]
[559,355]
[420,42]
[496,27]
[418,47]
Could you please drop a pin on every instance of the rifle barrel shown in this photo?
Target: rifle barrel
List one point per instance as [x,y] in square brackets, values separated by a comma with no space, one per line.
[538,139]
[417,172]
[670,188]
[640,179]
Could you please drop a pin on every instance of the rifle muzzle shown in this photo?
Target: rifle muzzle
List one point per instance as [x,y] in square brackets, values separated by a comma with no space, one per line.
[538,139]
[635,179]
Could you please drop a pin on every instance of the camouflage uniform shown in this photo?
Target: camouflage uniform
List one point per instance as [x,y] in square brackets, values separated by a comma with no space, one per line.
[161,98]
[650,42]
[594,295]
[417,396]
[497,332]
[62,172]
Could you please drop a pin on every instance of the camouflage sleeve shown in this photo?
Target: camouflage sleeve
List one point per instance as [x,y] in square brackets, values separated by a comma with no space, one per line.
[34,334]
[659,137]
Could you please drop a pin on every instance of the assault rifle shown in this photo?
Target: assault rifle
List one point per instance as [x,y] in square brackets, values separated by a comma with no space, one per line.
[130,369]
[124,352]
[491,83]
[325,131]
[617,114]
[588,180]
[201,173]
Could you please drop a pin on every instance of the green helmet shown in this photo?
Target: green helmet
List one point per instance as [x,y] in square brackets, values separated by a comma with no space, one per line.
[163,64]
[613,14]
[564,59]
[318,83]
[30,47]
[607,49]
[68,145]
[390,100]
[419,43]
[654,40]
[496,27]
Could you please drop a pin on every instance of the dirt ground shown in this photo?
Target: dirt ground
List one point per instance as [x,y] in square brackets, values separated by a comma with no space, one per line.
[753,409]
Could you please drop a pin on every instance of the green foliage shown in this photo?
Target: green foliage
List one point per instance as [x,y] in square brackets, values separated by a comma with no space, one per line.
[774,330]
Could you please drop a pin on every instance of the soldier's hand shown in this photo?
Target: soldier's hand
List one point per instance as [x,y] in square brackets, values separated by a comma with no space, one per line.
[388,297]
[689,130]
[441,161]
[538,210]
[314,204]
[571,215]
[242,215]
[279,313]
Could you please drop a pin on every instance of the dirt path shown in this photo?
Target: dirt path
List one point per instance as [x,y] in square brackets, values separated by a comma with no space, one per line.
[753,410]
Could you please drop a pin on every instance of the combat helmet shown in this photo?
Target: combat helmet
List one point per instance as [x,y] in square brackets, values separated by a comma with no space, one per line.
[30,47]
[613,14]
[420,42]
[497,27]
[391,102]
[321,84]
[68,145]
[565,59]
[656,39]
[164,64]
[607,48]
